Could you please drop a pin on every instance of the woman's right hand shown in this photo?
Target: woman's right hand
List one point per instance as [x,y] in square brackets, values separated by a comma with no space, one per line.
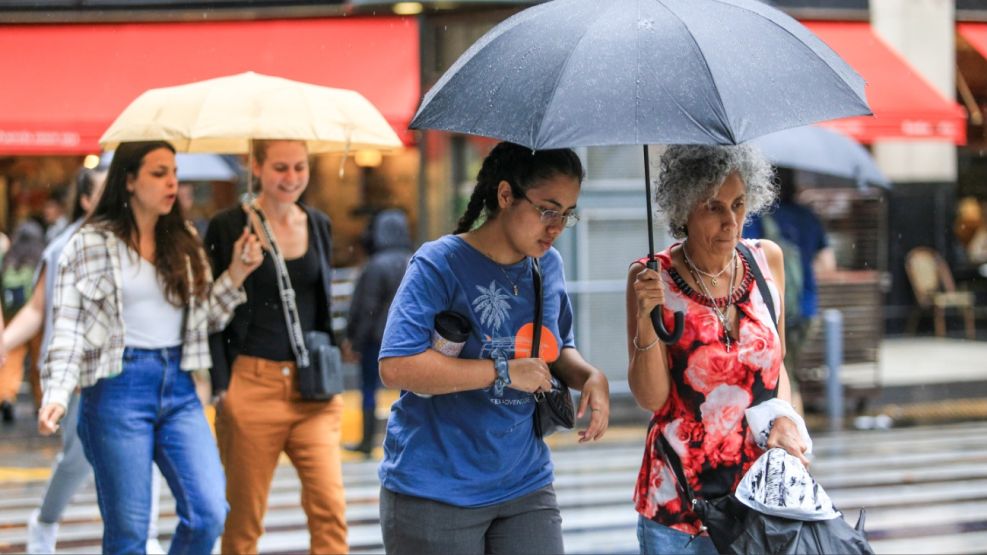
[247,257]
[649,291]
[530,375]
[48,418]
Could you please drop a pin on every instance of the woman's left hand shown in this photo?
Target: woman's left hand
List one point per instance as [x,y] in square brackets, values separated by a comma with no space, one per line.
[785,435]
[595,396]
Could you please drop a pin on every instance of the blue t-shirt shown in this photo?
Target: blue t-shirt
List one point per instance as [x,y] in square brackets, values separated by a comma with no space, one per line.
[802,227]
[471,449]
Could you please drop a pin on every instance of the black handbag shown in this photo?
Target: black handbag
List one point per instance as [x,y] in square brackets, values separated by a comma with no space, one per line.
[319,363]
[554,410]
[323,376]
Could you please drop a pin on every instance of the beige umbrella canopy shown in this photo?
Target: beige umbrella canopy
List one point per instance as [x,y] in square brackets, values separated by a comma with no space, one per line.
[222,115]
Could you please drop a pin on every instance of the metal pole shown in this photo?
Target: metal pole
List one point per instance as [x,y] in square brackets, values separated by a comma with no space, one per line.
[833,320]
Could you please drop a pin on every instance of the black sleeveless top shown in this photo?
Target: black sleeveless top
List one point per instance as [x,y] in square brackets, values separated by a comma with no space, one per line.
[267,335]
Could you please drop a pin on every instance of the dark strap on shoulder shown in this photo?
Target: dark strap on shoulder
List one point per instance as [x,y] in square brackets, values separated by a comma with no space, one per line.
[536,332]
[762,285]
[675,465]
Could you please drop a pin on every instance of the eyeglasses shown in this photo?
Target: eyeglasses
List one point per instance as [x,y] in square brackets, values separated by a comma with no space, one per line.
[553,217]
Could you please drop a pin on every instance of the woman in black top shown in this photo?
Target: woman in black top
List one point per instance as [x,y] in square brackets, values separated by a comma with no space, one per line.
[259,410]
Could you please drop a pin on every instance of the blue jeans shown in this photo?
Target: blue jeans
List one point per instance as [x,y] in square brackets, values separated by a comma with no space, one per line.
[150,413]
[656,539]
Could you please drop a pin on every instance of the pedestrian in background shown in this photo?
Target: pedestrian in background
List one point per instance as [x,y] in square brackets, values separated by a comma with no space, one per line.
[186,197]
[133,305]
[260,413]
[55,214]
[16,281]
[390,243]
[730,356]
[463,471]
[798,231]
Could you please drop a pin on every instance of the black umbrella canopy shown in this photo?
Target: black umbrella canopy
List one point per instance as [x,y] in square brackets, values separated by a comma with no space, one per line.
[572,73]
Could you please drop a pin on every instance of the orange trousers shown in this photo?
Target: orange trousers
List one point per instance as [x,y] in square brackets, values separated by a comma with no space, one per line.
[261,416]
[12,371]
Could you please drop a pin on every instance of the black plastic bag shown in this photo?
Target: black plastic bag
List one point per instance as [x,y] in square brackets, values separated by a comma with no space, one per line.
[735,528]
[772,534]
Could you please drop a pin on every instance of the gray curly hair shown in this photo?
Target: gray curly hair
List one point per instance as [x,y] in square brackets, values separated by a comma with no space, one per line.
[690,174]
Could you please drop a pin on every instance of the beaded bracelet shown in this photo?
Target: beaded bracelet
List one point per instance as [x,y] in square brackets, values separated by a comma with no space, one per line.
[648,347]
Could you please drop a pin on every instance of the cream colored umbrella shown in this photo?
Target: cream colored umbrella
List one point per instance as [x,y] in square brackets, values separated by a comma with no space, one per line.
[224,114]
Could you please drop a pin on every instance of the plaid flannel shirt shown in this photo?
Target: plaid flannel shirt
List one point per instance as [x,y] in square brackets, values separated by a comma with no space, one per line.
[87,339]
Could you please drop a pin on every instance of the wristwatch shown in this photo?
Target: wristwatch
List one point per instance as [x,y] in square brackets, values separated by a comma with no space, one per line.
[503,375]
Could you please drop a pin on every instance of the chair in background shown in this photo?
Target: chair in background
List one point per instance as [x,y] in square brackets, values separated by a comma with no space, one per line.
[934,288]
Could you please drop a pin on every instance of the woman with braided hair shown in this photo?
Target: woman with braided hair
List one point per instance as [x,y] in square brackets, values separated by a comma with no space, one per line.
[463,471]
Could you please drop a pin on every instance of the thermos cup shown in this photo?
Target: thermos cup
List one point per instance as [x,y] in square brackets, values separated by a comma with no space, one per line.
[450,334]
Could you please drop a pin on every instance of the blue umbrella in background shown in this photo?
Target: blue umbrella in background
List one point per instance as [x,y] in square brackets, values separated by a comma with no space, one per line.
[820,150]
[193,167]
[572,73]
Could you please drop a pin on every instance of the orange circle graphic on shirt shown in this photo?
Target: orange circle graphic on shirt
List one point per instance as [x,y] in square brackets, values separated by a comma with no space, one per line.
[547,351]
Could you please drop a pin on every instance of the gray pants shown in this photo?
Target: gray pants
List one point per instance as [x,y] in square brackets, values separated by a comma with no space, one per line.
[71,470]
[413,525]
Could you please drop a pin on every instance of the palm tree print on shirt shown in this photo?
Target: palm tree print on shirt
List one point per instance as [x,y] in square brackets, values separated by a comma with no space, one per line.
[493,306]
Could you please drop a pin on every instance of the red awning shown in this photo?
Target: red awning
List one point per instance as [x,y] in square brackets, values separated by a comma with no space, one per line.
[976,35]
[64,84]
[905,105]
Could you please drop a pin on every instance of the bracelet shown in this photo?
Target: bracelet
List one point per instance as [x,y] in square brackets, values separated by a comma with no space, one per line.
[647,347]
[503,375]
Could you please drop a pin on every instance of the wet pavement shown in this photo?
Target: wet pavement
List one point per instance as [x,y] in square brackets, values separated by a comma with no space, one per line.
[924,488]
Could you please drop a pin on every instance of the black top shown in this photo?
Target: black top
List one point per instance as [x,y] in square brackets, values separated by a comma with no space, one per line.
[224,229]
[267,334]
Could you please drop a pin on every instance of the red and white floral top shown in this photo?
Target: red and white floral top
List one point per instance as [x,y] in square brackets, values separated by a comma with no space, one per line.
[703,418]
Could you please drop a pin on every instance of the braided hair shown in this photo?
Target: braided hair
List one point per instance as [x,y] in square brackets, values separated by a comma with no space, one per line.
[520,166]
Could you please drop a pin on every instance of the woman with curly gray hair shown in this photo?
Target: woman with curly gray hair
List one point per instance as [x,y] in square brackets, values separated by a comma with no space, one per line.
[730,355]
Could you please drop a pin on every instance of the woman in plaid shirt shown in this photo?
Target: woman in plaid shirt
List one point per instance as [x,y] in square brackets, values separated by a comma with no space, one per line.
[134,303]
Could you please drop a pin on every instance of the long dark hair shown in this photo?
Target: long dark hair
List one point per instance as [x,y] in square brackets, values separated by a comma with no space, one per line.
[520,166]
[173,242]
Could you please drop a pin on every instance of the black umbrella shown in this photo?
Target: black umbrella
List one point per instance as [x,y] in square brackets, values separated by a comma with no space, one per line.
[571,73]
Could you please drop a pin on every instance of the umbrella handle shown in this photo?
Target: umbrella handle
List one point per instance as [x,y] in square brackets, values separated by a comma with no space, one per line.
[656,320]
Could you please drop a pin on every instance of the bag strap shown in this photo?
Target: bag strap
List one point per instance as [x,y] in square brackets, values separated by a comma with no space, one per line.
[287,292]
[762,285]
[675,464]
[536,332]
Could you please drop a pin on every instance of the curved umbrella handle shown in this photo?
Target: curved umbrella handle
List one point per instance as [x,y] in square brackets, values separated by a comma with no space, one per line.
[656,320]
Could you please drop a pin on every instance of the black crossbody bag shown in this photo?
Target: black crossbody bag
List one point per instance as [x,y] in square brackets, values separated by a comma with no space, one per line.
[554,410]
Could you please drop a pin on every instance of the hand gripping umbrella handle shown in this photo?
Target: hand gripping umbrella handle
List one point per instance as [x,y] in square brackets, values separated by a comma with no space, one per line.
[656,320]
